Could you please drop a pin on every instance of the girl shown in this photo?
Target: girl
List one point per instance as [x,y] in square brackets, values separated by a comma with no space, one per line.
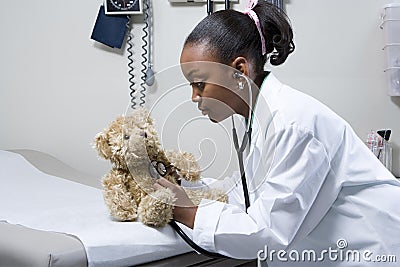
[319,188]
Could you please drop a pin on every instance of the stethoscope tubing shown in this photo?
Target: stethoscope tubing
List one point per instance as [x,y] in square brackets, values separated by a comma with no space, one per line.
[239,151]
[190,242]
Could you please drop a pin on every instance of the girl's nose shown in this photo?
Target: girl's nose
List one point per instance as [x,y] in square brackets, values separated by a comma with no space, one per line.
[196,97]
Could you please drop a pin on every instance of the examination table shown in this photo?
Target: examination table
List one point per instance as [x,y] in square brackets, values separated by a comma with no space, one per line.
[43,209]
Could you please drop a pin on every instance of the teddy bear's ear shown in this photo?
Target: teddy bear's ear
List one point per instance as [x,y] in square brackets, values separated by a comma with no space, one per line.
[102,146]
[142,116]
[103,140]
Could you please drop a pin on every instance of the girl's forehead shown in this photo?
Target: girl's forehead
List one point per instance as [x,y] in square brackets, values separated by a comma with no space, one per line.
[209,72]
[197,63]
[194,72]
[195,53]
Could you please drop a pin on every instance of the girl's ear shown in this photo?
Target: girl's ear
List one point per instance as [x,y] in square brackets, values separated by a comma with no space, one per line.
[241,64]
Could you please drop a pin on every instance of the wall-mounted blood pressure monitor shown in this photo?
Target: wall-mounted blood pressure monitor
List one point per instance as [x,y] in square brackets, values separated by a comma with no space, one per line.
[123,7]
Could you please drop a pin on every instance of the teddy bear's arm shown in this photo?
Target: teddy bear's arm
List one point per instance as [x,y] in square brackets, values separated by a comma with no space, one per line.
[185,163]
[119,200]
[156,209]
[196,195]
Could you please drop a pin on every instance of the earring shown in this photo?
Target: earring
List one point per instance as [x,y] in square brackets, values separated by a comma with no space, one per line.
[241,84]
[238,75]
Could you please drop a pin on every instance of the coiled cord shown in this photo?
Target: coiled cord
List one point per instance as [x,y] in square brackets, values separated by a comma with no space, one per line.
[149,72]
[144,54]
[131,68]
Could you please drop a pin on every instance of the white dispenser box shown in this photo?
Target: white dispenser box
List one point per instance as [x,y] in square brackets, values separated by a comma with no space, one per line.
[391,28]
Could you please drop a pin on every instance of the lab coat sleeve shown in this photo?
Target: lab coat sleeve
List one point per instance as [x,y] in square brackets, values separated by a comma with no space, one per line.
[299,167]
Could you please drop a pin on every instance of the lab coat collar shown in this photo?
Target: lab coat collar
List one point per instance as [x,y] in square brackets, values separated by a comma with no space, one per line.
[263,128]
[263,111]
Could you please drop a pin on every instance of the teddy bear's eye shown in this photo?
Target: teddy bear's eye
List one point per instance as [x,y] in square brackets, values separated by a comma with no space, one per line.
[126,137]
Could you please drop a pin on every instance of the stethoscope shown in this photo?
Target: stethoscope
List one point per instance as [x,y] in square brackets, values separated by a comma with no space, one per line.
[159,169]
[246,139]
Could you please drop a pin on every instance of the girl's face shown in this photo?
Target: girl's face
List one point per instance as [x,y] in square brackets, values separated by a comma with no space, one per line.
[213,87]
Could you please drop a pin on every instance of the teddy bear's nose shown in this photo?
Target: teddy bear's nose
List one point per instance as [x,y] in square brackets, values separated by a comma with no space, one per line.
[144,134]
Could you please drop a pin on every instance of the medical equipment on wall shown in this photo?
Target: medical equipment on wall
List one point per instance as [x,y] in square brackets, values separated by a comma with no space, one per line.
[210,7]
[201,1]
[109,30]
[113,22]
[209,3]
[391,28]
[123,7]
[278,3]
[378,143]
[147,73]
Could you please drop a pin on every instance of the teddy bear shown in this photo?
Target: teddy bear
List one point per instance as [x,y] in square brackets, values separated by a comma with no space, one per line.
[132,146]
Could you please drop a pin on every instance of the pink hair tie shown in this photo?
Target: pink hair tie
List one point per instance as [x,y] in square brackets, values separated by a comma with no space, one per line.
[250,12]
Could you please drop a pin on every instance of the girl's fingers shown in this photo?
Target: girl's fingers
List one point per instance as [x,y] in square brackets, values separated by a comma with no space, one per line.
[165,183]
[157,186]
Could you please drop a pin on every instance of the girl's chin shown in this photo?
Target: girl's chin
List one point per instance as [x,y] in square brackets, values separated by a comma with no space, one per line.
[217,119]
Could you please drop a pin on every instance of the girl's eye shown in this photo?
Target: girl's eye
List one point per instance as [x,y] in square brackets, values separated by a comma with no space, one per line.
[198,85]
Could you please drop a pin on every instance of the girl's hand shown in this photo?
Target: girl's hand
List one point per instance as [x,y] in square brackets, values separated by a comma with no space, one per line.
[184,209]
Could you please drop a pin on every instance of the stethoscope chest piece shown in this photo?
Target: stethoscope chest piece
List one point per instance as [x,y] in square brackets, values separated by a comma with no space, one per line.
[157,169]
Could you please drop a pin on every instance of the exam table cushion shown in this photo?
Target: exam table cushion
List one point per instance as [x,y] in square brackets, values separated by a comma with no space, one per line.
[45,202]
[24,247]
[51,165]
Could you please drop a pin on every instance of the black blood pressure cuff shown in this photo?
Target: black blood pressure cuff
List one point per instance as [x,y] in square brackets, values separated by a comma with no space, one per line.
[110,29]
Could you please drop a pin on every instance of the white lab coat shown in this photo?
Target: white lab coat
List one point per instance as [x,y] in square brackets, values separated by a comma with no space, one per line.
[312,183]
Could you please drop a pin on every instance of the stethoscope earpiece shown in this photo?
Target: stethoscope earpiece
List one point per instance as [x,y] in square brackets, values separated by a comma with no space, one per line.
[237,75]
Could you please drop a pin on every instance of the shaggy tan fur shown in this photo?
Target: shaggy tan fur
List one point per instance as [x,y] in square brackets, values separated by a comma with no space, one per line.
[131,143]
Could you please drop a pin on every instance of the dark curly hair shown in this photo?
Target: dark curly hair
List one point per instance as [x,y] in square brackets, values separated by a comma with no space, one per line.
[228,34]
